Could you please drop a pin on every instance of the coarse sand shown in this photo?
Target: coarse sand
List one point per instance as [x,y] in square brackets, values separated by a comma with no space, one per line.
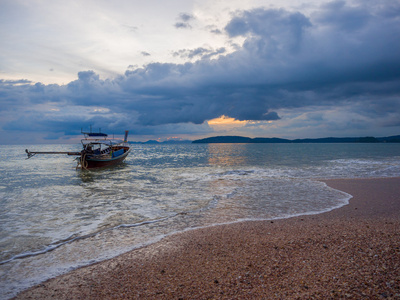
[351,252]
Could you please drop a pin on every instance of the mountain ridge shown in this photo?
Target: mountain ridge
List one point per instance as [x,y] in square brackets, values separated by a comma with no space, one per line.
[275,140]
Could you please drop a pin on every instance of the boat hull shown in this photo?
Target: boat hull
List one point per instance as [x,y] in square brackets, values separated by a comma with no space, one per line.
[93,162]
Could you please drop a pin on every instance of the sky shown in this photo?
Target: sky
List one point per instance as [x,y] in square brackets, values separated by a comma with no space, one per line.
[188,69]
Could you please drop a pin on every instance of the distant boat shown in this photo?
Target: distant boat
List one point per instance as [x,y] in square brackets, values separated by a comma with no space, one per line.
[98,151]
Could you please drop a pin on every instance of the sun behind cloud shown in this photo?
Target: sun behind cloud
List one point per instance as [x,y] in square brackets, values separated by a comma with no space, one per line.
[225,122]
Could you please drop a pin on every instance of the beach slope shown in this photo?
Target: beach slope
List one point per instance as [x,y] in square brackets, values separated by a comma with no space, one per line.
[351,252]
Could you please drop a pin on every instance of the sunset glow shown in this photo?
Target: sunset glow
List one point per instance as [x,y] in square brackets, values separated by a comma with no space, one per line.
[225,121]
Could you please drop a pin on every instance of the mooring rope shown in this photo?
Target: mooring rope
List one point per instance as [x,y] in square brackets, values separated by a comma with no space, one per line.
[82,161]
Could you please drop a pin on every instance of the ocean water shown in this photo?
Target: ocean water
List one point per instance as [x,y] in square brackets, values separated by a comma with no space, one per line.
[55,218]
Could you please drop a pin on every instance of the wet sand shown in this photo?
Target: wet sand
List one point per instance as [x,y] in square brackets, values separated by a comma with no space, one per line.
[351,252]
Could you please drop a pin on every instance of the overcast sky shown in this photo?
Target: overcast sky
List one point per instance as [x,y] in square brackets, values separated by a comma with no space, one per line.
[197,68]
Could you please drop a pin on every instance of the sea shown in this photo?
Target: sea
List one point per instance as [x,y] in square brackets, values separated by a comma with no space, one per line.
[55,218]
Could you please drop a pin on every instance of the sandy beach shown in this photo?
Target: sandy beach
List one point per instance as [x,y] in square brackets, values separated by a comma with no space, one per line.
[352,252]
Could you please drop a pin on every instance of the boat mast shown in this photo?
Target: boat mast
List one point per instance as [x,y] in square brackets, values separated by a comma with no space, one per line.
[126,136]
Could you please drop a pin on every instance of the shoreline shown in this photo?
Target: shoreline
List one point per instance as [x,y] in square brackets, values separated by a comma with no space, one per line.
[352,251]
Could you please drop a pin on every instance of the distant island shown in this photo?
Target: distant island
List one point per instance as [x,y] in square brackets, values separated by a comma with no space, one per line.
[154,142]
[241,139]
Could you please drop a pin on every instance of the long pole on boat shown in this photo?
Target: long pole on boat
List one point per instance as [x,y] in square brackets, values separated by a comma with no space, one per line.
[33,153]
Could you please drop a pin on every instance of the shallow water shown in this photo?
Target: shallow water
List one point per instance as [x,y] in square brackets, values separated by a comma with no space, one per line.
[55,218]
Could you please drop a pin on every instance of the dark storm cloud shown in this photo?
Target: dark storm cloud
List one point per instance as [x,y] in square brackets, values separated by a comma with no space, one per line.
[341,55]
[270,31]
[342,16]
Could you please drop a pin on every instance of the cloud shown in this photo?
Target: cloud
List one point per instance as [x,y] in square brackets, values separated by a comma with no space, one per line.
[199,52]
[184,20]
[342,16]
[270,31]
[131,28]
[336,68]
[182,25]
[186,17]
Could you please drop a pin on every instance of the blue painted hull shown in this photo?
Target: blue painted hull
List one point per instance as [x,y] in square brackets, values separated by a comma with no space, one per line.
[99,162]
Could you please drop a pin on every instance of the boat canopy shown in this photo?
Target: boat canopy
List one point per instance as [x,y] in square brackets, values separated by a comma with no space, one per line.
[104,142]
[96,134]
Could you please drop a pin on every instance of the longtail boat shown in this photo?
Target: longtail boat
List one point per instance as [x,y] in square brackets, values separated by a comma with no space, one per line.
[98,151]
